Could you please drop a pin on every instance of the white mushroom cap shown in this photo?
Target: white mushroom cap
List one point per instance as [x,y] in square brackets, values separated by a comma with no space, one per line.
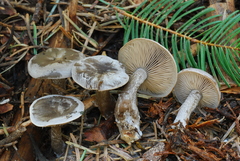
[54,63]
[195,79]
[99,73]
[55,110]
[156,60]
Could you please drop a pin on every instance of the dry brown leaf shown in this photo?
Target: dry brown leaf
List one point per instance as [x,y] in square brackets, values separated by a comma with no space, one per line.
[150,154]
[7,10]
[233,90]
[5,108]
[203,154]
[101,132]
[95,134]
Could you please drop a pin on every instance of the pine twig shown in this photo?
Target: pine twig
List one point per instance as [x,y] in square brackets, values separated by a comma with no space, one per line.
[171,31]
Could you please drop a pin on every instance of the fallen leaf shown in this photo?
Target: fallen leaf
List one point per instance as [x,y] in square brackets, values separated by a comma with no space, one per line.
[150,154]
[5,108]
[233,90]
[95,134]
[7,10]
[202,153]
[101,132]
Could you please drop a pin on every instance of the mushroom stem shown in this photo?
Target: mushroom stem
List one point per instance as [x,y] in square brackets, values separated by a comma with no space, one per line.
[56,140]
[126,110]
[188,106]
[105,102]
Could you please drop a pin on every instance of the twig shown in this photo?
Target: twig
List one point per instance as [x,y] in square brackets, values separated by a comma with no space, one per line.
[105,153]
[8,63]
[120,153]
[80,147]
[102,45]
[230,129]
[89,35]
[66,153]
[76,149]
[12,129]
[97,155]
[49,28]
[26,8]
[13,136]
[9,144]
[20,28]
[92,41]
[155,129]
[105,143]
[38,11]
[81,128]
[171,31]
[4,80]
[22,104]
[17,62]
[79,34]
[13,36]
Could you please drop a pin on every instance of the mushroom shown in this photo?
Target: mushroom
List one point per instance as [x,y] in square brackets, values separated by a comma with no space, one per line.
[54,111]
[195,87]
[54,63]
[152,71]
[100,73]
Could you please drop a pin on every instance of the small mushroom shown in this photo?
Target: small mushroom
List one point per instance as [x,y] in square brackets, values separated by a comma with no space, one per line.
[194,88]
[54,63]
[100,73]
[152,71]
[54,111]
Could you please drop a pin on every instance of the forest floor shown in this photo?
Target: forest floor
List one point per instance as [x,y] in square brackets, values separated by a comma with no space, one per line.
[212,135]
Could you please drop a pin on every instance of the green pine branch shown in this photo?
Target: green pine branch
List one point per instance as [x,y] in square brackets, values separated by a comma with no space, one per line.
[215,53]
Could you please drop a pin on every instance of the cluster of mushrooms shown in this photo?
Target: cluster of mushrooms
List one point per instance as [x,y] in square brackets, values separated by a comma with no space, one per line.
[143,66]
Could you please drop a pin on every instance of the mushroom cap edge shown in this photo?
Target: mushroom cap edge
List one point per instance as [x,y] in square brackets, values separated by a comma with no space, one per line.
[162,78]
[99,73]
[206,84]
[76,113]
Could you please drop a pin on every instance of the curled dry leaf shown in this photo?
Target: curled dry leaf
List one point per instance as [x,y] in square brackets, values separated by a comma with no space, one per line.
[150,154]
[5,108]
[233,90]
[158,110]
[7,10]
[203,154]
[203,124]
[101,132]
[95,134]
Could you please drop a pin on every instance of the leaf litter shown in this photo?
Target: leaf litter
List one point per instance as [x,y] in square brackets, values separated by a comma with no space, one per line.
[29,27]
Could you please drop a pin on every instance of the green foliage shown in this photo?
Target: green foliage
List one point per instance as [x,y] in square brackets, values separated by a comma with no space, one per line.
[215,53]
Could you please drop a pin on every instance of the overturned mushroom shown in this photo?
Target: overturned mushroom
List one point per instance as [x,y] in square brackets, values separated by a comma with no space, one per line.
[152,71]
[194,88]
[54,63]
[54,111]
[100,73]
